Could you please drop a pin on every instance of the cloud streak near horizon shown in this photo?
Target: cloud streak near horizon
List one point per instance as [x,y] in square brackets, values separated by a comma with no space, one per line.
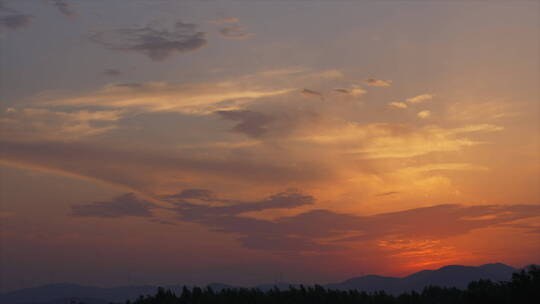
[317,229]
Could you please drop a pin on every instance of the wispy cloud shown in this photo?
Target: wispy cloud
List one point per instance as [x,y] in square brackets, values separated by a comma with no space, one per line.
[420,98]
[354,91]
[398,105]
[424,114]
[198,98]
[38,123]
[160,167]
[235,31]
[378,82]
[387,193]
[231,28]
[225,20]
[395,140]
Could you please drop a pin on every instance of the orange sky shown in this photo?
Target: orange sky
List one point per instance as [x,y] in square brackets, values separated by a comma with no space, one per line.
[159,142]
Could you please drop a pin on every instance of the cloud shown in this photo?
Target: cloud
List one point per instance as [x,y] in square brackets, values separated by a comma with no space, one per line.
[63,7]
[272,123]
[38,123]
[197,98]
[424,114]
[12,19]
[469,110]
[316,230]
[235,31]
[419,98]
[310,93]
[326,74]
[289,199]
[251,123]
[232,29]
[157,44]
[378,82]
[353,91]
[343,91]
[15,21]
[121,206]
[442,166]
[387,193]
[199,194]
[226,20]
[387,140]
[319,230]
[112,72]
[398,105]
[145,171]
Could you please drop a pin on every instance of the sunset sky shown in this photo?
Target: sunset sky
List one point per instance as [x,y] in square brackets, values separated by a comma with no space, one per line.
[244,142]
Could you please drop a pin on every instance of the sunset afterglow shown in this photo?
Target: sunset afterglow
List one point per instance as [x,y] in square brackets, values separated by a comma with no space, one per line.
[245,142]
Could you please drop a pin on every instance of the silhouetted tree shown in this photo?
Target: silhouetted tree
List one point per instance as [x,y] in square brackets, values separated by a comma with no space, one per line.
[524,288]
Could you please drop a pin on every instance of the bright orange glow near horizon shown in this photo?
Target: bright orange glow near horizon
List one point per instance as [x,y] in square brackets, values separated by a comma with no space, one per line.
[158,142]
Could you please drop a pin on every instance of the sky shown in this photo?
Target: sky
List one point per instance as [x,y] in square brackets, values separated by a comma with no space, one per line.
[246,142]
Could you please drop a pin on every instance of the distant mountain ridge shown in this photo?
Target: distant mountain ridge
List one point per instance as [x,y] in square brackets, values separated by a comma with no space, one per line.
[447,276]
[66,293]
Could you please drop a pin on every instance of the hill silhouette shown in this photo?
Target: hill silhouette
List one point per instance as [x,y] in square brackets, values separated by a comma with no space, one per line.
[453,276]
[448,276]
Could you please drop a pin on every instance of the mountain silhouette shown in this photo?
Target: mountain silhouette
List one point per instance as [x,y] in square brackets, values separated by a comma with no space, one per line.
[67,293]
[448,276]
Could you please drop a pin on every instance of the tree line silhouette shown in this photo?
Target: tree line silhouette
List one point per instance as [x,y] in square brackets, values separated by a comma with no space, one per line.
[523,288]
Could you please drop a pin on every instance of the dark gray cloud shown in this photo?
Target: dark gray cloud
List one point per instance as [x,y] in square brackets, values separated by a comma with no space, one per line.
[63,7]
[12,19]
[121,206]
[234,31]
[343,91]
[158,44]
[278,123]
[15,21]
[112,72]
[192,212]
[254,124]
[308,93]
